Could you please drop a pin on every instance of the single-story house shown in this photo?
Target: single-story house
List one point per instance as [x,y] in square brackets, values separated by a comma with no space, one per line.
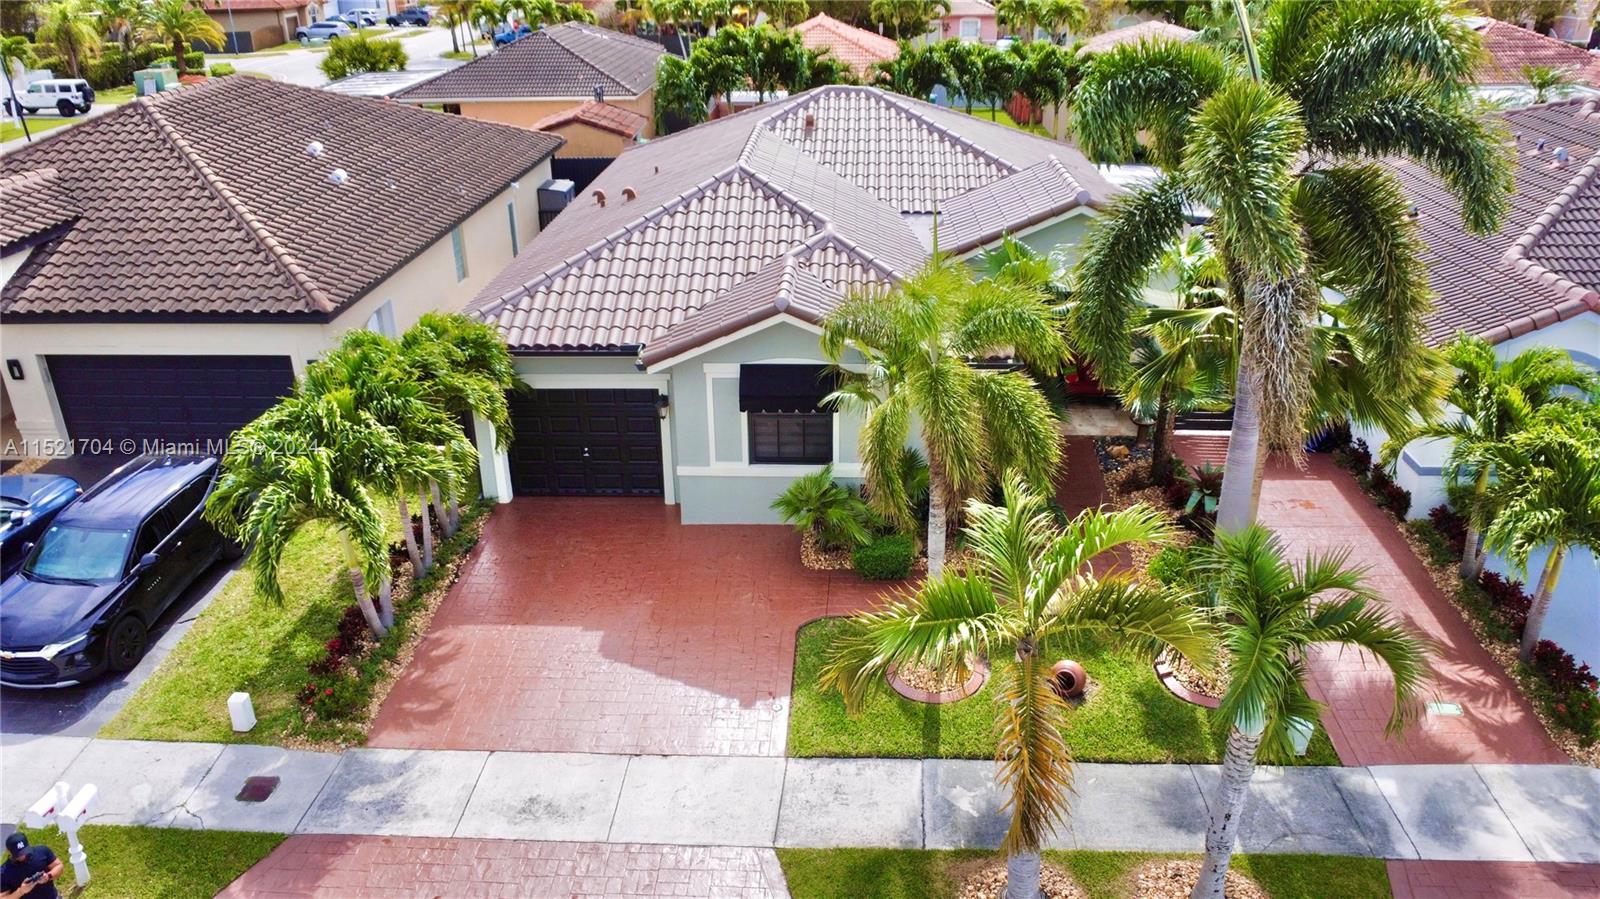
[667,321]
[594,128]
[1508,49]
[857,48]
[251,25]
[968,20]
[171,266]
[549,72]
[1535,282]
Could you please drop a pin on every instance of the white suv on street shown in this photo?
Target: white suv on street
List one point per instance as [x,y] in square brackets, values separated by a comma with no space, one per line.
[68,96]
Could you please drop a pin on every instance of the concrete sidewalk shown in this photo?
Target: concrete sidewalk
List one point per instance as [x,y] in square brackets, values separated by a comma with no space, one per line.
[1545,813]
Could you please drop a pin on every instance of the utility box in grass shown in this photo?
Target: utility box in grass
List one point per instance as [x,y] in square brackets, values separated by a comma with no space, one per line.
[154,81]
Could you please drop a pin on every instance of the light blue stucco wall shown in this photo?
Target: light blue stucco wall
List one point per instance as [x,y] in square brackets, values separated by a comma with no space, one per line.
[1574,621]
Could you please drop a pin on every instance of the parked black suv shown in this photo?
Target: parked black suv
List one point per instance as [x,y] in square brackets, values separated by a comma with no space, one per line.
[105,570]
[411,15]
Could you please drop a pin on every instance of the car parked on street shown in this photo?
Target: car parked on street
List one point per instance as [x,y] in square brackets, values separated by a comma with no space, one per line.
[67,96]
[325,30]
[105,570]
[411,15]
[27,503]
[512,34]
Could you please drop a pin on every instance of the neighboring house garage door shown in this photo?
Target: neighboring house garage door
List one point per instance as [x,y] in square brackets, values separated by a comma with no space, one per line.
[179,399]
[585,443]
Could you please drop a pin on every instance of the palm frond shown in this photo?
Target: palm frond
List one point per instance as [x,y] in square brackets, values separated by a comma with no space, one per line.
[1034,760]
[1152,86]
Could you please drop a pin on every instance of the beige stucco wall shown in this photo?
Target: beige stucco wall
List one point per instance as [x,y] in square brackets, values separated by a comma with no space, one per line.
[523,113]
[587,140]
[267,27]
[426,283]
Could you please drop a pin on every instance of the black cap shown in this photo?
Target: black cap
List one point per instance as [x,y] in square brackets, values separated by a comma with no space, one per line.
[16,842]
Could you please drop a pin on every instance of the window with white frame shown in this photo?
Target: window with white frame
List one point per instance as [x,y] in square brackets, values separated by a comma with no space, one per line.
[784,414]
[971,29]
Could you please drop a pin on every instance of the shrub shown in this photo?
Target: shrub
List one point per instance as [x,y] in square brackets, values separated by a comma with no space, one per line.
[834,512]
[1171,565]
[1395,498]
[194,61]
[886,558]
[1476,601]
[1439,552]
[1569,691]
[1510,603]
[358,53]
[1355,458]
[113,68]
[336,696]
[1451,526]
[222,69]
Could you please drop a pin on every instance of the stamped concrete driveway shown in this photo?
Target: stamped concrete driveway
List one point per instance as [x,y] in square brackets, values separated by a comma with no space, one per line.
[605,625]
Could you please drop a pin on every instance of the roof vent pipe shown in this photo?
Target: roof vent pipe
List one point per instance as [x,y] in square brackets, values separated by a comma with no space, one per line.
[1540,145]
[811,121]
[629,195]
[314,149]
[600,197]
[1562,156]
[338,176]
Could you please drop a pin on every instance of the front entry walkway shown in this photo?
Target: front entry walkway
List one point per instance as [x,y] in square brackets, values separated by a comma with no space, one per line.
[605,625]
[1323,508]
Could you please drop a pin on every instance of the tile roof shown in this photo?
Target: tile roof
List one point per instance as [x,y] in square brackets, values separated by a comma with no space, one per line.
[566,60]
[1543,265]
[222,6]
[209,200]
[970,8]
[36,203]
[857,48]
[1508,48]
[605,116]
[807,193]
[1155,29]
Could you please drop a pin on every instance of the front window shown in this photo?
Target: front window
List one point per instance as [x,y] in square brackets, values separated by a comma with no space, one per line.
[970,29]
[778,438]
[69,553]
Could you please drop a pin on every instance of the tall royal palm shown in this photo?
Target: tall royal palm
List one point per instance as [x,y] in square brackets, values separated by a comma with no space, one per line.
[1271,613]
[1029,589]
[1547,494]
[1278,146]
[1493,400]
[922,342]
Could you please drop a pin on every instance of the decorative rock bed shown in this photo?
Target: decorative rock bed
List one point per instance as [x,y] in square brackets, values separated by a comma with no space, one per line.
[1176,686]
[937,687]
[1115,452]
[989,882]
[1175,880]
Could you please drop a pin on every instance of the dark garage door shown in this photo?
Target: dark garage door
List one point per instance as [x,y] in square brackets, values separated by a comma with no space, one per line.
[179,399]
[586,443]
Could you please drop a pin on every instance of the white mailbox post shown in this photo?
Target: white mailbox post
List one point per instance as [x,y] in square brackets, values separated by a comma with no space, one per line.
[68,814]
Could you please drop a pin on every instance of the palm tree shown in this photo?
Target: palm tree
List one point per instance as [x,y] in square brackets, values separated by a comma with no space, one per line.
[1548,81]
[121,19]
[1021,16]
[1029,589]
[922,343]
[14,48]
[1045,73]
[181,23]
[69,30]
[1061,16]
[965,62]
[1494,400]
[668,16]
[490,15]
[908,19]
[1548,494]
[784,13]
[1271,614]
[915,72]
[1278,152]
[458,13]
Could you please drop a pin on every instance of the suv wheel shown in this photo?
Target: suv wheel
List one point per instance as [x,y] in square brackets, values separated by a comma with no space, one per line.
[126,644]
[85,107]
[66,107]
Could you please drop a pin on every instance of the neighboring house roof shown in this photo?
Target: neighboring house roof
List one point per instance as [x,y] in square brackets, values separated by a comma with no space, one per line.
[1543,265]
[855,47]
[1508,48]
[1154,29]
[209,199]
[778,210]
[963,8]
[36,204]
[567,60]
[595,114]
[222,6]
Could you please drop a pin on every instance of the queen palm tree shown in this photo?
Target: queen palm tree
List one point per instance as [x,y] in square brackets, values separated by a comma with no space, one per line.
[121,19]
[1547,495]
[1021,16]
[181,23]
[1061,16]
[915,71]
[1278,150]
[69,30]
[784,13]
[1548,81]
[906,19]
[922,343]
[1271,614]
[1029,590]
[1493,400]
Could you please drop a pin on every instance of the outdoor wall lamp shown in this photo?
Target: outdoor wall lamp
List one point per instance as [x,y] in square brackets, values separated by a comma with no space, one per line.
[14,368]
[662,401]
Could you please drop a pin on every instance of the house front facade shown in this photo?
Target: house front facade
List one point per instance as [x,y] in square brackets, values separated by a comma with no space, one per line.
[668,321]
[194,251]
[250,25]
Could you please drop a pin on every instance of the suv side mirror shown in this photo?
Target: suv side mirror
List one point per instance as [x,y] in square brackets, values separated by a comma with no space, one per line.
[18,517]
[148,560]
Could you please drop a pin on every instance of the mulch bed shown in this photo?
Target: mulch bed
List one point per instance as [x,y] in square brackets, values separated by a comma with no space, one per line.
[1116,452]
[1128,485]
[989,882]
[1175,880]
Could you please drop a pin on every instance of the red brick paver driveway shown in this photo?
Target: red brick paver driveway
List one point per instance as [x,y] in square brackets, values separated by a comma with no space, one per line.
[1492,880]
[347,867]
[604,625]
[1322,508]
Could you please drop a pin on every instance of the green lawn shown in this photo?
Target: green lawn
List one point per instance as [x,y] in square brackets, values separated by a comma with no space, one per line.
[1132,717]
[926,874]
[158,863]
[243,643]
[1000,116]
[41,122]
[456,54]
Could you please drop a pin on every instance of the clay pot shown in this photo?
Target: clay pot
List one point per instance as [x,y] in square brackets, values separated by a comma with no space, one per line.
[1068,679]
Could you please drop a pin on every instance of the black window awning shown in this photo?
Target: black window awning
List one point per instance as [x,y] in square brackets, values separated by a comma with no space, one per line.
[785,388]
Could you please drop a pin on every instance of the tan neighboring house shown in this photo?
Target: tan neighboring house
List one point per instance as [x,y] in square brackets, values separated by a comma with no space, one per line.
[593,128]
[857,48]
[183,257]
[251,25]
[547,73]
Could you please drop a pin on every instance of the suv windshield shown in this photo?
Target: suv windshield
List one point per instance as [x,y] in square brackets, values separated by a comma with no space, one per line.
[69,553]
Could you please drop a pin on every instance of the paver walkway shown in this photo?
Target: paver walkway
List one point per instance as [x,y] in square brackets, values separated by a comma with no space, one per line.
[1323,508]
[605,625]
[1492,880]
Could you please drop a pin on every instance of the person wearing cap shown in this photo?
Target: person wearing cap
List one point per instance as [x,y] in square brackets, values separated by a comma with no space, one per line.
[29,870]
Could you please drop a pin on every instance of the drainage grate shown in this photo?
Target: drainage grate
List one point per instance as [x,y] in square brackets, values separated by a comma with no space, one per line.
[257,789]
[1448,709]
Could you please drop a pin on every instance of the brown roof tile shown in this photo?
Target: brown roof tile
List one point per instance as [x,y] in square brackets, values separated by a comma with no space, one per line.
[605,116]
[35,203]
[207,200]
[857,48]
[1508,48]
[566,60]
[734,197]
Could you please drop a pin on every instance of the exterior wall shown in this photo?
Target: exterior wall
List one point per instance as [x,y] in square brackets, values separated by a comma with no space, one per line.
[1574,620]
[428,282]
[267,27]
[988,27]
[586,140]
[523,113]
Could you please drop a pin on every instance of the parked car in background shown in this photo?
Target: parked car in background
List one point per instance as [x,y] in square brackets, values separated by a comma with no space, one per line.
[355,18]
[105,570]
[512,34]
[67,96]
[369,17]
[27,503]
[411,15]
[325,30]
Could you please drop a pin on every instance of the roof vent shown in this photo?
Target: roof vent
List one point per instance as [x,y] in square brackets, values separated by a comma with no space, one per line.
[314,149]
[1562,156]
[1413,213]
[600,197]
[600,93]
[338,176]
[1540,145]
[629,195]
